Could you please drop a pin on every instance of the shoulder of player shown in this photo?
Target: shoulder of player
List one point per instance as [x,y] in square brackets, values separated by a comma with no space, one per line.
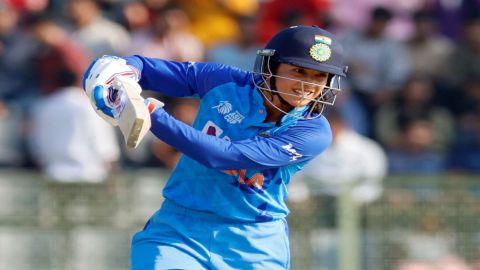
[313,129]
[221,74]
[309,137]
[319,124]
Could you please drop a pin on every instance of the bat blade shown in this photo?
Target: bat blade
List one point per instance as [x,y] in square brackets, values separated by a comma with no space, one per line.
[134,120]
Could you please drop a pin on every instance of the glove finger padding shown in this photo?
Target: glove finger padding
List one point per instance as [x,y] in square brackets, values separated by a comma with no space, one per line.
[101,103]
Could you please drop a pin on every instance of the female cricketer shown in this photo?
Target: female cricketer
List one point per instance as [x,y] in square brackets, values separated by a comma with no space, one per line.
[224,204]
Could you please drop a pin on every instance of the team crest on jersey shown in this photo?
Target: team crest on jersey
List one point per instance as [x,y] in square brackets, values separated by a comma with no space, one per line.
[223,107]
[294,155]
[320,52]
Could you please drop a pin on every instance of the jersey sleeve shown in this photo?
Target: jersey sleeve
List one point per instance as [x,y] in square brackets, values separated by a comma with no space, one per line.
[181,79]
[298,144]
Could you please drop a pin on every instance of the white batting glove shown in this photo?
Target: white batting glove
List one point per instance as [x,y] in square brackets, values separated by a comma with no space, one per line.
[99,85]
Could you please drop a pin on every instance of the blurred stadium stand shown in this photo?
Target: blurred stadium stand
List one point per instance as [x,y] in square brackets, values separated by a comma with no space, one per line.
[50,225]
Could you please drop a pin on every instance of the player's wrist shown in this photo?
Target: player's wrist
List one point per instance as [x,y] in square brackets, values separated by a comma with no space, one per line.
[153,104]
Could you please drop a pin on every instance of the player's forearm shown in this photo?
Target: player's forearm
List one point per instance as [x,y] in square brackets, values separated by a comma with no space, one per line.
[208,150]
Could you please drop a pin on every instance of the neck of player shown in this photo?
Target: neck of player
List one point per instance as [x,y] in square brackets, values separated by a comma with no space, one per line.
[272,105]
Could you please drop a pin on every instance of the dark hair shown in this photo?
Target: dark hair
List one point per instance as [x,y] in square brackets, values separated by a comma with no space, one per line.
[423,15]
[334,114]
[37,18]
[381,14]
[406,119]
[66,78]
[472,18]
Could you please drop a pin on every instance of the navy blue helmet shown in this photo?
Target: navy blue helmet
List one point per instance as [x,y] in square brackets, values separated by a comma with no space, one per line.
[308,47]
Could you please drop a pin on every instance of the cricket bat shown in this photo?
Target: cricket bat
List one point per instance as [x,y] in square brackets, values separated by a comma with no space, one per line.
[134,119]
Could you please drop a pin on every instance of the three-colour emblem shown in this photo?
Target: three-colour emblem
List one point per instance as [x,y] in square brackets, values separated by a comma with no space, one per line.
[321,51]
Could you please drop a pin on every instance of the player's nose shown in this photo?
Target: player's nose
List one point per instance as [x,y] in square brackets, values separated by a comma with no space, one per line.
[310,87]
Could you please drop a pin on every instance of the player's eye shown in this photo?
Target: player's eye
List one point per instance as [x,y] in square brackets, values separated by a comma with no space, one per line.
[299,70]
[321,75]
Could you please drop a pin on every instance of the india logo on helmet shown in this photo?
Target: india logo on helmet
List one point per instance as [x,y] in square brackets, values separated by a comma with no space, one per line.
[320,52]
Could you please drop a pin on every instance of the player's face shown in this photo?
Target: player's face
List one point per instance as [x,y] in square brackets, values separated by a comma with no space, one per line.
[299,86]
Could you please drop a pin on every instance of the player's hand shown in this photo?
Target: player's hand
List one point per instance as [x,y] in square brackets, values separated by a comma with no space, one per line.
[99,85]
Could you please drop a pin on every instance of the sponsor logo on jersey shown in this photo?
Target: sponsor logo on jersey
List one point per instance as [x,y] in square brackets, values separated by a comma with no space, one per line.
[294,155]
[248,183]
[212,129]
[234,118]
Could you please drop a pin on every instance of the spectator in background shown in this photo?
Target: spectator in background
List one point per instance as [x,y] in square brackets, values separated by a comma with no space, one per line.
[428,51]
[453,15]
[184,110]
[11,137]
[170,38]
[277,14]
[378,65]
[348,14]
[415,98]
[213,21]
[28,6]
[68,140]
[415,153]
[353,162]
[463,69]
[465,155]
[60,55]
[94,31]
[163,33]
[154,5]
[449,262]
[463,63]
[240,52]
[17,84]
[352,158]
[137,18]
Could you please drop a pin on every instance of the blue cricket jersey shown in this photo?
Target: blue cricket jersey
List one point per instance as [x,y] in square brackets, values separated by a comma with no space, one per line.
[234,164]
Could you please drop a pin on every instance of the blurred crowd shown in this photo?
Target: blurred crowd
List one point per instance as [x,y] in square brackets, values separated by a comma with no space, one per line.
[410,103]
[413,86]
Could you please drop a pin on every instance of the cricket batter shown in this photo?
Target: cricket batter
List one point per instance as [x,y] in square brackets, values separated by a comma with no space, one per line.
[224,202]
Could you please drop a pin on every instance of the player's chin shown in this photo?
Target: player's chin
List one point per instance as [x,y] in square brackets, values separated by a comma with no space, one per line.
[298,102]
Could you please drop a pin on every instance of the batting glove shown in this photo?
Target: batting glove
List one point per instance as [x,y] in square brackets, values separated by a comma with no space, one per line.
[98,83]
